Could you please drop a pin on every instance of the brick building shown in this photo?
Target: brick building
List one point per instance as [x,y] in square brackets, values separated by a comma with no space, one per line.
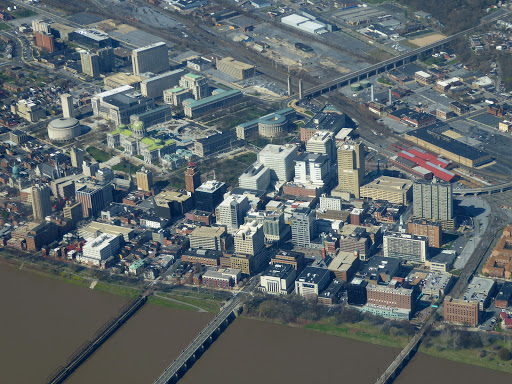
[432,230]
[461,311]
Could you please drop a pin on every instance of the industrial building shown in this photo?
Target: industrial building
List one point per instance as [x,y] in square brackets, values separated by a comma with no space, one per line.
[304,24]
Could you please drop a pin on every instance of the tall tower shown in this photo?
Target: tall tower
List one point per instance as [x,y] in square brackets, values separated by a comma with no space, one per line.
[41,205]
[301,94]
[67,105]
[433,201]
[73,211]
[90,63]
[77,157]
[192,178]
[144,179]
[350,167]
[290,91]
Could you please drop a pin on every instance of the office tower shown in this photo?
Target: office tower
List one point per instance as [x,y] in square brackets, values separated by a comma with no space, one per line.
[94,197]
[303,227]
[406,247]
[280,160]
[208,238]
[192,178]
[40,26]
[350,167]
[144,179]
[152,58]
[90,169]
[322,143]
[432,230]
[77,157]
[249,239]
[73,211]
[311,168]
[90,63]
[67,105]
[41,205]
[432,200]
[209,194]
[106,59]
[231,212]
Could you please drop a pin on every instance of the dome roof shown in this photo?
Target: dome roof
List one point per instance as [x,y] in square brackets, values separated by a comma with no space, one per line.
[63,123]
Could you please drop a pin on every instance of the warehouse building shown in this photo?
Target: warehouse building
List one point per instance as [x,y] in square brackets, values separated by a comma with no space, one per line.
[235,68]
[304,24]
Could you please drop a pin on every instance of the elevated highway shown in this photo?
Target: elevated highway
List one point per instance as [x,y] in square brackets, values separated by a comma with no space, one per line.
[483,190]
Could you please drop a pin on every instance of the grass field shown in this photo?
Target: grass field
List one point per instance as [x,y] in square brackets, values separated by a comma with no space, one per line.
[124,167]
[98,155]
[20,13]
[4,26]
[130,293]
[229,170]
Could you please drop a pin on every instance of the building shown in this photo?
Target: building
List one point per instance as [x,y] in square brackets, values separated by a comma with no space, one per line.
[156,85]
[46,41]
[205,257]
[169,204]
[406,247]
[223,278]
[94,197]
[176,96]
[442,262]
[257,176]
[280,160]
[236,69]
[344,265]
[272,125]
[95,251]
[95,64]
[433,139]
[278,279]
[92,37]
[322,143]
[437,284]
[303,227]
[196,84]
[389,301]
[480,290]
[231,212]
[312,170]
[192,178]
[392,189]
[64,129]
[350,167]
[214,143]
[67,105]
[121,78]
[423,77]
[461,311]
[504,296]
[95,228]
[41,205]
[208,238]
[120,103]
[249,239]
[28,110]
[209,194]
[151,58]
[312,281]
[144,179]
[432,230]
[220,98]
[356,291]
[295,259]
[330,203]
[304,24]
[18,136]
[73,211]
[499,265]
[380,270]
[433,200]
[274,227]
[328,119]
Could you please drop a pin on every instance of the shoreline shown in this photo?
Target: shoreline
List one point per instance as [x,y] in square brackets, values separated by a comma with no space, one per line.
[362,331]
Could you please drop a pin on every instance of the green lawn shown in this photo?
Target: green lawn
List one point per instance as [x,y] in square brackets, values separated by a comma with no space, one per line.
[383,80]
[98,155]
[23,12]
[130,293]
[362,331]
[4,26]
[228,170]
[124,167]
[169,304]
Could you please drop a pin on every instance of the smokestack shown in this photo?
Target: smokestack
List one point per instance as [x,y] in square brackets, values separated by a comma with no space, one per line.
[390,100]
[289,85]
[371,90]
[301,94]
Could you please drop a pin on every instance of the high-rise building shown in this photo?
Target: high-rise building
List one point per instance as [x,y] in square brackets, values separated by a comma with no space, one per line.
[231,212]
[303,227]
[77,157]
[209,194]
[107,60]
[350,167]
[46,41]
[94,197]
[40,26]
[461,311]
[90,63]
[432,200]
[151,58]
[280,160]
[322,143]
[250,239]
[208,238]
[406,247]
[41,205]
[192,178]
[312,168]
[73,211]
[67,105]
[432,230]
[144,179]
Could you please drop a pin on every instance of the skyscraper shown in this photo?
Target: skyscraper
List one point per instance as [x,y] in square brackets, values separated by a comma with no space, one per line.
[41,205]
[303,228]
[77,157]
[280,160]
[67,105]
[433,200]
[192,178]
[350,167]
[90,63]
[322,143]
[73,211]
[231,212]
[106,59]
[152,58]
[144,179]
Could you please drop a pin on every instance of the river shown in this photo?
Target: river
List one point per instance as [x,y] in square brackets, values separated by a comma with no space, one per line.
[44,320]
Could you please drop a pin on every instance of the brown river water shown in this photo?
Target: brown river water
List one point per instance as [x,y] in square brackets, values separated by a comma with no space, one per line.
[44,320]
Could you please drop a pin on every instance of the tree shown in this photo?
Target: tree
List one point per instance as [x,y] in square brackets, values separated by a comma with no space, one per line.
[504,354]
[349,315]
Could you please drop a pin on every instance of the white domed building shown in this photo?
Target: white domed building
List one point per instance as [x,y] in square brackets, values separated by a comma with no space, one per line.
[64,129]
